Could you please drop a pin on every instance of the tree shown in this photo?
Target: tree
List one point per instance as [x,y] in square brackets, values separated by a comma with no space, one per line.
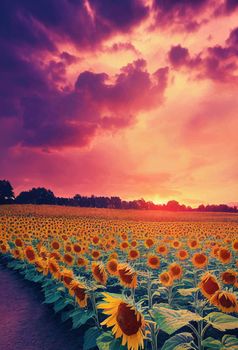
[36,196]
[6,192]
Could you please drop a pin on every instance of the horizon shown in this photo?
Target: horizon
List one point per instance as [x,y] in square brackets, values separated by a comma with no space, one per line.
[134,98]
[231,204]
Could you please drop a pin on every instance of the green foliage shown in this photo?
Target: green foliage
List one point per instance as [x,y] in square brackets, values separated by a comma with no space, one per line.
[90,338]
[182,341]
[222,321]
[170,320]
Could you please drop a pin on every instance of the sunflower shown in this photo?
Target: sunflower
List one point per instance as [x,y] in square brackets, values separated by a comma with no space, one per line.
[199,260]
[133,243]
[96,254]
[68,259]
[175,270]
[4,248]
[182,254]
[67,277]
[127,275]
[41,266]
[54,268]
[30,254]
[124,245]
[78,290]
[162,249]
[19,243]
[99,272]
[95,240]
[127,322]
[82,261]
[149,243]
[55,245]
[208,285]
[193,244]
[112,266]
[153,261]
[225,301]
[166,279]
[133,254]
[235,245]
[176,244]
[224,255]
[114,255]
[76,248]
[229,277]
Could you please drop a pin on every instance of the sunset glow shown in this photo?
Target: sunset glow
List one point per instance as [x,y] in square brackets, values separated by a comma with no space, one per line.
[130,98]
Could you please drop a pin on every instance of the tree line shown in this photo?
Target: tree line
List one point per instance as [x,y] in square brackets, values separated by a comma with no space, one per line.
[42,195]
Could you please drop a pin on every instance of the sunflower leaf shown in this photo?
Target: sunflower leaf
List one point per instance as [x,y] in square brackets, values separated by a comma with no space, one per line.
[90,338]
[170,320]
[222,321]
[229,342]
[104,341]
[211,343]
[187,291]
[182,341]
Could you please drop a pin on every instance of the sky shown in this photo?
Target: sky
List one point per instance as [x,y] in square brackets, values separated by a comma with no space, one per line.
[125,97]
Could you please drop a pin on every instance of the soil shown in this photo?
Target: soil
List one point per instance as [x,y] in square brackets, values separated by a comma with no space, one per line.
[26,323]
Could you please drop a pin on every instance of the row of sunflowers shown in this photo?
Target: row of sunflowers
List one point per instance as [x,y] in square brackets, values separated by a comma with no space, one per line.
[131,285]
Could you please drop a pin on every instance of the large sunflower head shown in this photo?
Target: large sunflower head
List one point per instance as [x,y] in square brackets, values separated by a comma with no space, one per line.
[41,266]
[112,265]
[127,322]
[78,290]
[153,261]
[225,301]
[99,272]
[176,271]
[30,254]
[54,268]
[127,275]
[67,277]
[209,285]
[229,277]
[199,260]
[224,255]
[166,279]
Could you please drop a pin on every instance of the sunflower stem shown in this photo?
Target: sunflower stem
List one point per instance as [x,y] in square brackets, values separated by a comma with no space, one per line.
[95,310]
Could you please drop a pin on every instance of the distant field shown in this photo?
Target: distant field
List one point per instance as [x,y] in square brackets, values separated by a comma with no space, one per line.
[137,215]
[152,279]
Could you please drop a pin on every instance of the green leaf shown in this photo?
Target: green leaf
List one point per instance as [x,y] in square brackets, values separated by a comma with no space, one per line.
[211,343]
[229,342]
[104,341]
[179,342]
[188,291]
[52,298]
[170,320]
[116,345]
[90,338]
[61,304]
[222,321]
[81,318]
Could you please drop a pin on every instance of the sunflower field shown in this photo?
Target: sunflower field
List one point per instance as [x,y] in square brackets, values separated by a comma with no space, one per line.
[130,283]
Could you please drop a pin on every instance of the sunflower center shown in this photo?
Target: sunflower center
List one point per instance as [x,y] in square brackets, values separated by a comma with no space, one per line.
[79,293]
[210,286]
[154,261]
[127,319]
[225,301]
[200,258]
[127,278]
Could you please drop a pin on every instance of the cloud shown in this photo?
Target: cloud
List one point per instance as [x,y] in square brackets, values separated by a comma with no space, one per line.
[218,63]
[180,14]
[85,23]
[57,118]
